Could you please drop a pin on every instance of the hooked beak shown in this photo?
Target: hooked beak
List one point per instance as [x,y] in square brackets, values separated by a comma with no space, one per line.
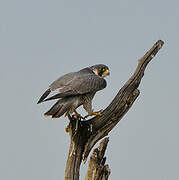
[108,73]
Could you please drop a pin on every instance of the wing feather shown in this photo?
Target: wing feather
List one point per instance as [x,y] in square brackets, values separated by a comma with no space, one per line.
[81,85]
[62,81]
[87,84]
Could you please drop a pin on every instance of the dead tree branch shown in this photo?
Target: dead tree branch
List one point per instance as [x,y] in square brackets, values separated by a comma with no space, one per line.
[97,170]
[90,132]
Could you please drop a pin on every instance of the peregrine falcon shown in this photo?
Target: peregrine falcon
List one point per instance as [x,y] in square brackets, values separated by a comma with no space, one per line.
[76,89]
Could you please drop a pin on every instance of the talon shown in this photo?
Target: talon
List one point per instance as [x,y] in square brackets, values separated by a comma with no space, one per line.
[97,113]
[78,116]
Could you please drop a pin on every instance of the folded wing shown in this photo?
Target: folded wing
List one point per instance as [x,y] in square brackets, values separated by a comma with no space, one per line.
[81,85]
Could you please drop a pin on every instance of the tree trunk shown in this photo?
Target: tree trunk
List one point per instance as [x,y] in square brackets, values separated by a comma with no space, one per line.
[97,170]
[85,134]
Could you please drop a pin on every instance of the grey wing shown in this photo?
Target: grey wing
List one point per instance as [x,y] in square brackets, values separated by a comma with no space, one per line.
[67,78]
[59,83]
[87,84]
[81,85]
[62,81]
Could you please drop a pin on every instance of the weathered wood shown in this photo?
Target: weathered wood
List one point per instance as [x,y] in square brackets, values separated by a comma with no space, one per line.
[97,170]
[90,132]
[78,136]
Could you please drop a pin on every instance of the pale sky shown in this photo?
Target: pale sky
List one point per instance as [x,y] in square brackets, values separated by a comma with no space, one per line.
[41,40]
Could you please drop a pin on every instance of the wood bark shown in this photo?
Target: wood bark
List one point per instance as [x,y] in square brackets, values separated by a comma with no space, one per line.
[97,169]
[85,134]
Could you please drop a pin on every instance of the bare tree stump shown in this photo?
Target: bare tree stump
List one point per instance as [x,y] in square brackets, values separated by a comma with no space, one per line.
[85,134]
[97,170]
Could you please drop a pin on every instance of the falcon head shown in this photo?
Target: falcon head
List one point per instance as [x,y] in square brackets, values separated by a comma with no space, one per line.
[100,70]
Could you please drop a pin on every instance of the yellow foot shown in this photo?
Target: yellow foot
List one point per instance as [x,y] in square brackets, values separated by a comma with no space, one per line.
[78,116]
[47,115]
[67,129]
[97,113]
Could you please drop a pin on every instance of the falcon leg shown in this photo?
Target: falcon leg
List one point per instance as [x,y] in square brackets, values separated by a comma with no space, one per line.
[77,115]
[97,113]
[77,124]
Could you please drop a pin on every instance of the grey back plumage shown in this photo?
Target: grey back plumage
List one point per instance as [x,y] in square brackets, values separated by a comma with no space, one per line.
[81,82]
[67,78]
[62,81]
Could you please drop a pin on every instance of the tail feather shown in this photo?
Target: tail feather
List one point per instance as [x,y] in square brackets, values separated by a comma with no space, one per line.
[56,96]
[58,109]
[54,109]
[60,113]
[46,93]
